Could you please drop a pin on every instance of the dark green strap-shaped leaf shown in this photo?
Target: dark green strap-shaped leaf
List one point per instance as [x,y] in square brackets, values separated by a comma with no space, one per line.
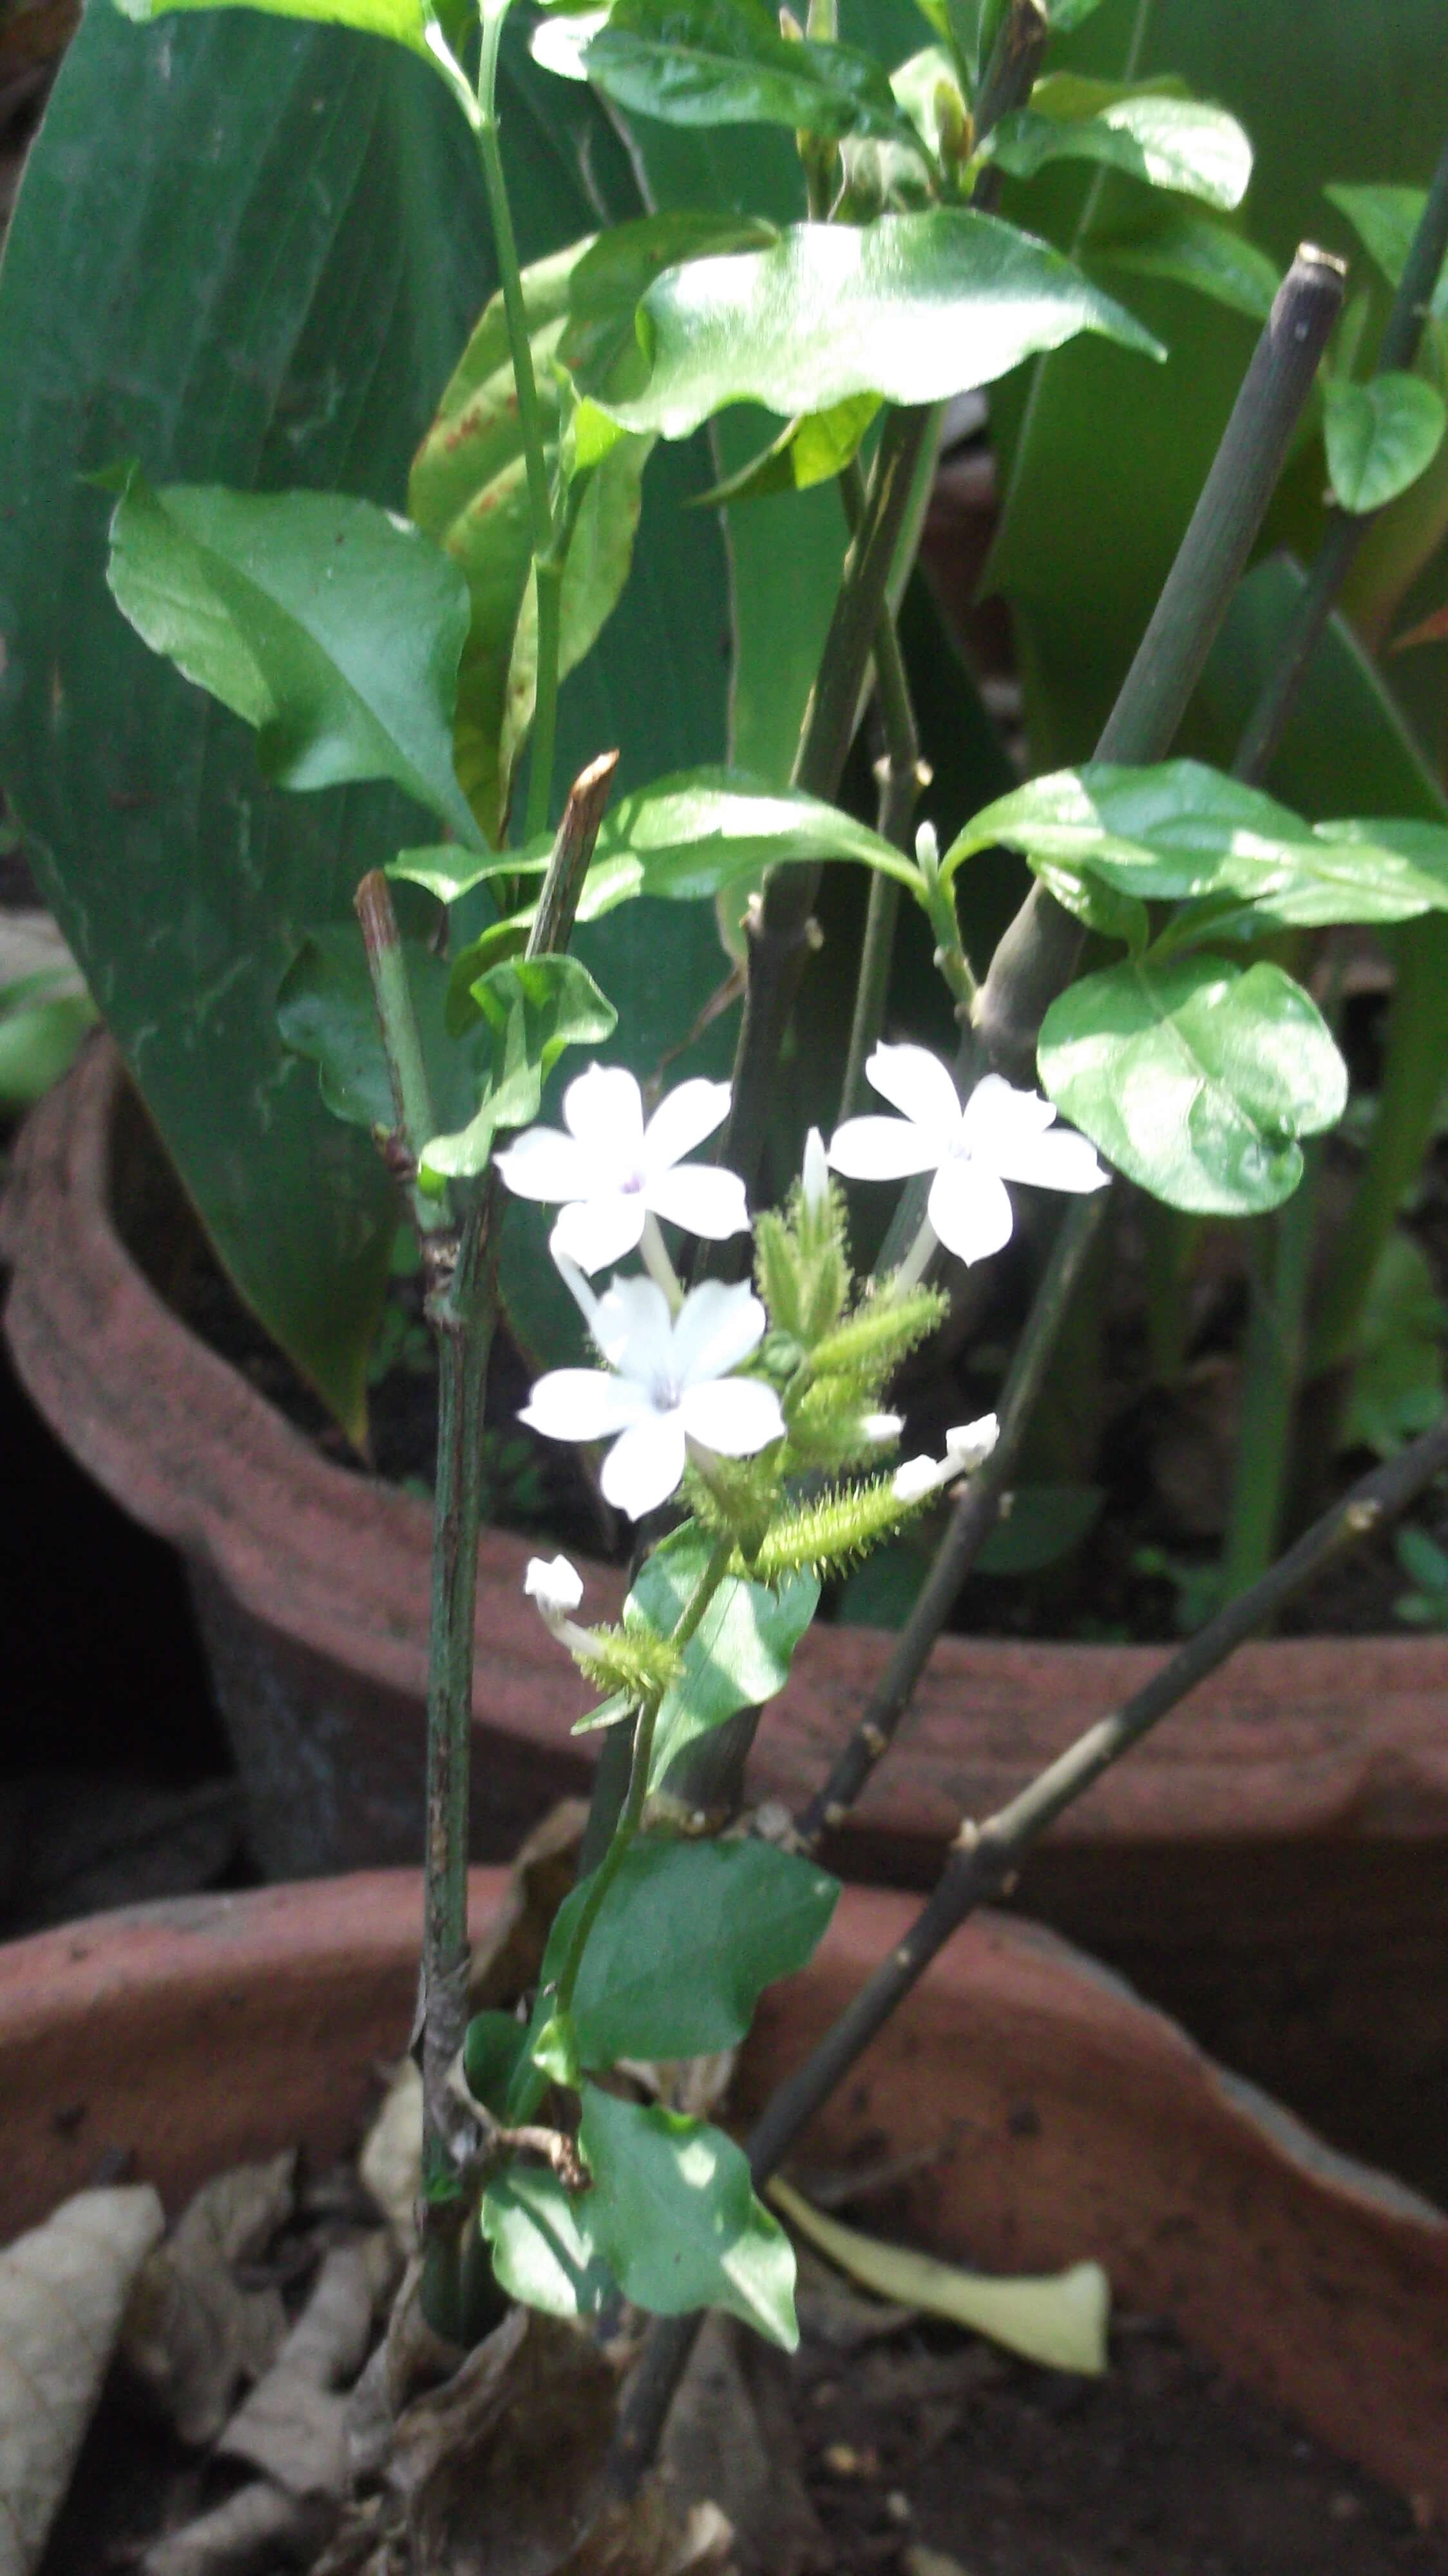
[327,624]
[1380,437]
[1194,1078]
[1189,249]
[685,1942]
[405,21]
[914,308]
[724,62]
[675,2217]
[1170,142]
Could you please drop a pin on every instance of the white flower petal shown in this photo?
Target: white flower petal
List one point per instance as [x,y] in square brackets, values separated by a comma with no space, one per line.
[917,1084]
[715,1328]
[1061,1160]
[701,1197]
[633,1332]
[582,1404]
[682,1120]
[914,1478]
[884,1149]
[542,1164]
[733,1416]
[595,1232]
[577,1287]
[645,1466]
[970,1209]
[970,1444]
[999,1120]
[604,1109]
[815,1175]
[554,1584]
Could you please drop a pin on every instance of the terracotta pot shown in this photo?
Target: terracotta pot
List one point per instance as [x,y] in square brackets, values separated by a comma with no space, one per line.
[1059,2116]
[1271,1864]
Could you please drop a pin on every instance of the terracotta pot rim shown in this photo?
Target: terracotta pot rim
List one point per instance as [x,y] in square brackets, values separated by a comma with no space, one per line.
[336,1563]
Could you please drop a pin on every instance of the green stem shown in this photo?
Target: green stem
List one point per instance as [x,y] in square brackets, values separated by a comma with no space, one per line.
[631,1816]
[1271,1365]
[414,1122]
[901,776]
[547,574]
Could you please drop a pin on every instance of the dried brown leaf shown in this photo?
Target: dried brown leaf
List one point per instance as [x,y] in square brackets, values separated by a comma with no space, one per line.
[293,2426]
[193,2334]
[256,2530]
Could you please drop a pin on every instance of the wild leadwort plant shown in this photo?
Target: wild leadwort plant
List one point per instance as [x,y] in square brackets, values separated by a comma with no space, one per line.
[427,652]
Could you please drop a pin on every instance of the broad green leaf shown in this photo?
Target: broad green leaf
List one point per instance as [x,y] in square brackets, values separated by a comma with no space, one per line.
[1380,437]
[1066,15]
[1194,1078]
[1177,143]
[1059,2320]
[1192,250]
[469,491]
[610,280]
[492,2049]
[738,1656]
[337,251]
[686,1940]
[1180,831]
[810,450]
[405,21]
[675,2217]
[1385,220]
[529,1010]
[725,62]
[329,625]
[542,2243]
[911,307]
[1397,1382]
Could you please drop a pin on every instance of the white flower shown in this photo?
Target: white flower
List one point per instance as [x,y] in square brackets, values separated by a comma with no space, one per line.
[557,1588]
[1000,1135]
[667,1382]
[966,1448]
[610,1172]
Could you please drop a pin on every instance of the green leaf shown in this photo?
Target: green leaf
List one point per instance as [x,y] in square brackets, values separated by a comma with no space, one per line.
[492,2048]
[686,1940]
[1385,220]
[405,21]
[1177,143]
[810,450]
[740,1653]
[1194,1078]
[675,2217]
[327,624]
[1066,15]
[326,1012]
[1192,250]
[1397,1387]
[542,2243]
[611,278]
[1380,437]
[724,62]
[528,1010]
[911,307]
[469,491]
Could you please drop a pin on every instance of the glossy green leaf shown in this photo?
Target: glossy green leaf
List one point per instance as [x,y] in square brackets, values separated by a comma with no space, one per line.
[1397,1382]
[405,21]
[529,1010]
[542,2243]
[725,62]
[810,450]
[675,2217]
[330,626]
[1380,437]
[1385,220]
[1192,250]
[1170,142]
[686,1940]
[1067,15]
[469,491]
[1194,1078]
[911,307]
[738,1656]
[609,281]
[492,2048]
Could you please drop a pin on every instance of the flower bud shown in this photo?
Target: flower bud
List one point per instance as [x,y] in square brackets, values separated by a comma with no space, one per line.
[969,1446]
[815,1177]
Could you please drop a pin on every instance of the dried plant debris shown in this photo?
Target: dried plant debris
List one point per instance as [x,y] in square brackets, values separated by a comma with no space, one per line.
[194,2333]
[390,2164]
[63,2294]
[730,2441]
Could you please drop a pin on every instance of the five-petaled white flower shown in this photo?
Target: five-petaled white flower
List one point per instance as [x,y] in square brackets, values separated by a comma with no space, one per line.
[610,1173]
[1000,1135]
[667,1382]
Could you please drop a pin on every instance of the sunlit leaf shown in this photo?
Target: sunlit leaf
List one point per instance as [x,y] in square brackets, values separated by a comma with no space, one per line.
[725,62]
[740,1652]
[405,21]
[542,2244]
[1380,437]
[685,1942]
[810,450]
[1170,142]
[529,1009]
[911,307]
[1195,1078]
[675,2217]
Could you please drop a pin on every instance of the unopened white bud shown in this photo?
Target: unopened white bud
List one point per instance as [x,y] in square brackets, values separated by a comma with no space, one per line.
[968,1447]
[556,1588]
[927,849]
[815,1175]
[882,1426]
[917,1478]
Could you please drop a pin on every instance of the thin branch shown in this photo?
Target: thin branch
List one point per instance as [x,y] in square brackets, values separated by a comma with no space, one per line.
[983,1859]
[900,775]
